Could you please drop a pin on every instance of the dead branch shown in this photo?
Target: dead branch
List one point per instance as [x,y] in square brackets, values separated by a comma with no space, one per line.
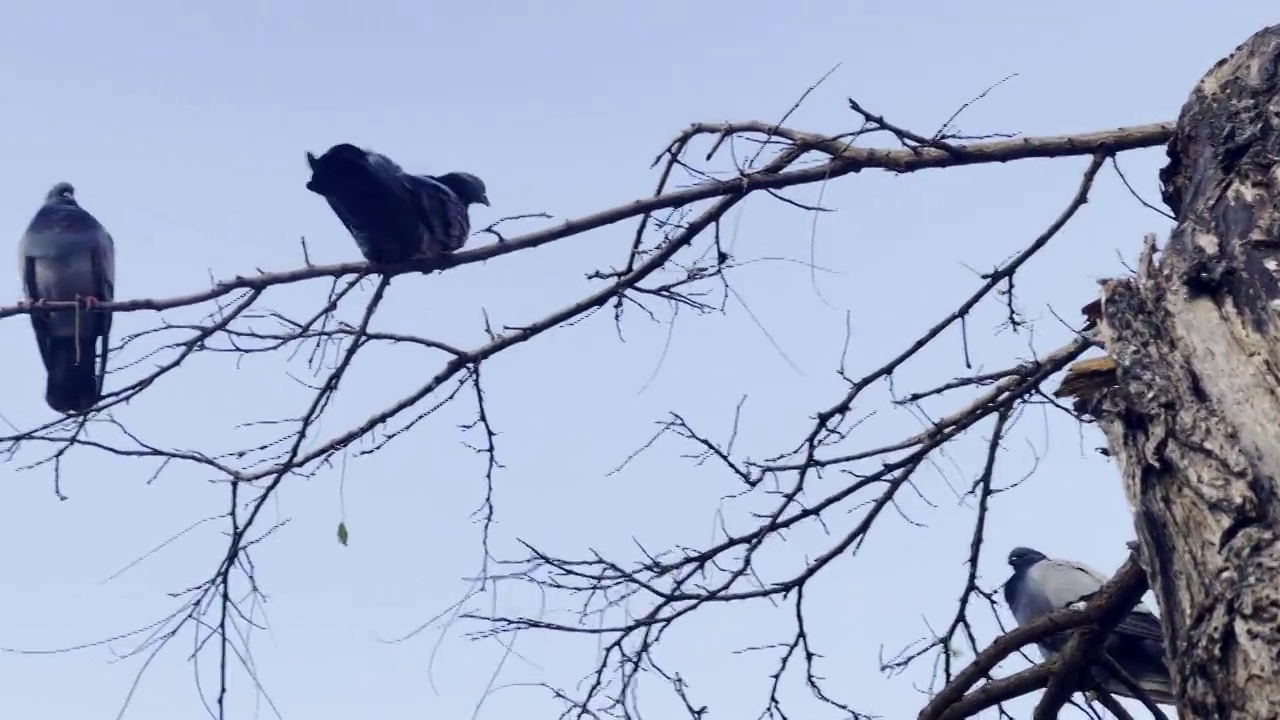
[677,260]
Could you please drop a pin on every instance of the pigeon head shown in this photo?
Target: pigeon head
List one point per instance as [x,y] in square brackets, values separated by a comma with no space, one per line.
[469,188]
[1021,558]
[62,194]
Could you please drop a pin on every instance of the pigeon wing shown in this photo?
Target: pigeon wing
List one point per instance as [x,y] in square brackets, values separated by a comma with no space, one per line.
[105,261]
[39,321]
[104,270]
[1066,582]
[1140,623]
[446,224]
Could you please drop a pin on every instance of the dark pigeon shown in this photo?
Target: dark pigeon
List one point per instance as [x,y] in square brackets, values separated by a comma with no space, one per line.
[1040,586]
[395,216]
[66,255]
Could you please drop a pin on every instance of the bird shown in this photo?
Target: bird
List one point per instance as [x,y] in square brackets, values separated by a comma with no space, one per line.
[1040,586]
[67,255]
[393,215]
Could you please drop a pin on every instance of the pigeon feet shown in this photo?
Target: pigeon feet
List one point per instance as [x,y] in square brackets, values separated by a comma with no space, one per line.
[89,300]
[31,303]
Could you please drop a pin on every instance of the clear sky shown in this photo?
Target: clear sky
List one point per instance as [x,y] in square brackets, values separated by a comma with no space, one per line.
[184,127]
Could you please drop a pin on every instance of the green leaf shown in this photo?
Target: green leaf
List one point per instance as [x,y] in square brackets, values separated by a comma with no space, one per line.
[342,533]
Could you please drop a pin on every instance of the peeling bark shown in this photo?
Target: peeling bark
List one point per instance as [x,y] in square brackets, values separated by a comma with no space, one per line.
[1193,417]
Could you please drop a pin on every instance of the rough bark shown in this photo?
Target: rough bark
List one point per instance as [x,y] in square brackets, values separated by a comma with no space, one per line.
[1193,417]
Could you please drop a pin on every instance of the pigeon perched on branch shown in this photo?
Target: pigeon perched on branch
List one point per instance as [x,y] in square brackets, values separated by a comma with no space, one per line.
[395,216]
[66,255]
[1041,586]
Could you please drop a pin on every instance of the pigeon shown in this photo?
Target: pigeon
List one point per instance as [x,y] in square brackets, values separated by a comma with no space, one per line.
[395,216]
[1040,586]
[66,255]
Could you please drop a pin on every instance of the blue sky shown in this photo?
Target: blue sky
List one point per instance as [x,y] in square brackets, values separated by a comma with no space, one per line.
[184,130]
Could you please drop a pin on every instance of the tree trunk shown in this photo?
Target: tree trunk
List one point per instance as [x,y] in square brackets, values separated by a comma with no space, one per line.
[1193,416]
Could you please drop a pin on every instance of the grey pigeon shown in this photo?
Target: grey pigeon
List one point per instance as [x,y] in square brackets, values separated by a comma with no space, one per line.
[394,216]
[66,255]
[1040,586]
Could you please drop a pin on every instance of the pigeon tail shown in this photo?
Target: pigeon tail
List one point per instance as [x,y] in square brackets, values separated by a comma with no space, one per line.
[73,386]
[1143,660]
[1159,689]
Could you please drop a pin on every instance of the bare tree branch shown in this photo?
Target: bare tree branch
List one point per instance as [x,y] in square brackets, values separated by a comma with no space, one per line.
[822,479]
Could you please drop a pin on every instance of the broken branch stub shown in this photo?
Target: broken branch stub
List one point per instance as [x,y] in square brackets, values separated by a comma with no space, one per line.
[1193,415]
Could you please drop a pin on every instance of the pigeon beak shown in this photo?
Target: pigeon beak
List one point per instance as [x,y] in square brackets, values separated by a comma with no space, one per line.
[484,200]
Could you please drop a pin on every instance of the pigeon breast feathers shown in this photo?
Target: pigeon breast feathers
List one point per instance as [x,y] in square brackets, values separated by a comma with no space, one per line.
[63,233]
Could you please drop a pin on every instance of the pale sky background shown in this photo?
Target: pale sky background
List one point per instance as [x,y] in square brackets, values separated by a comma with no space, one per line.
[184,129]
